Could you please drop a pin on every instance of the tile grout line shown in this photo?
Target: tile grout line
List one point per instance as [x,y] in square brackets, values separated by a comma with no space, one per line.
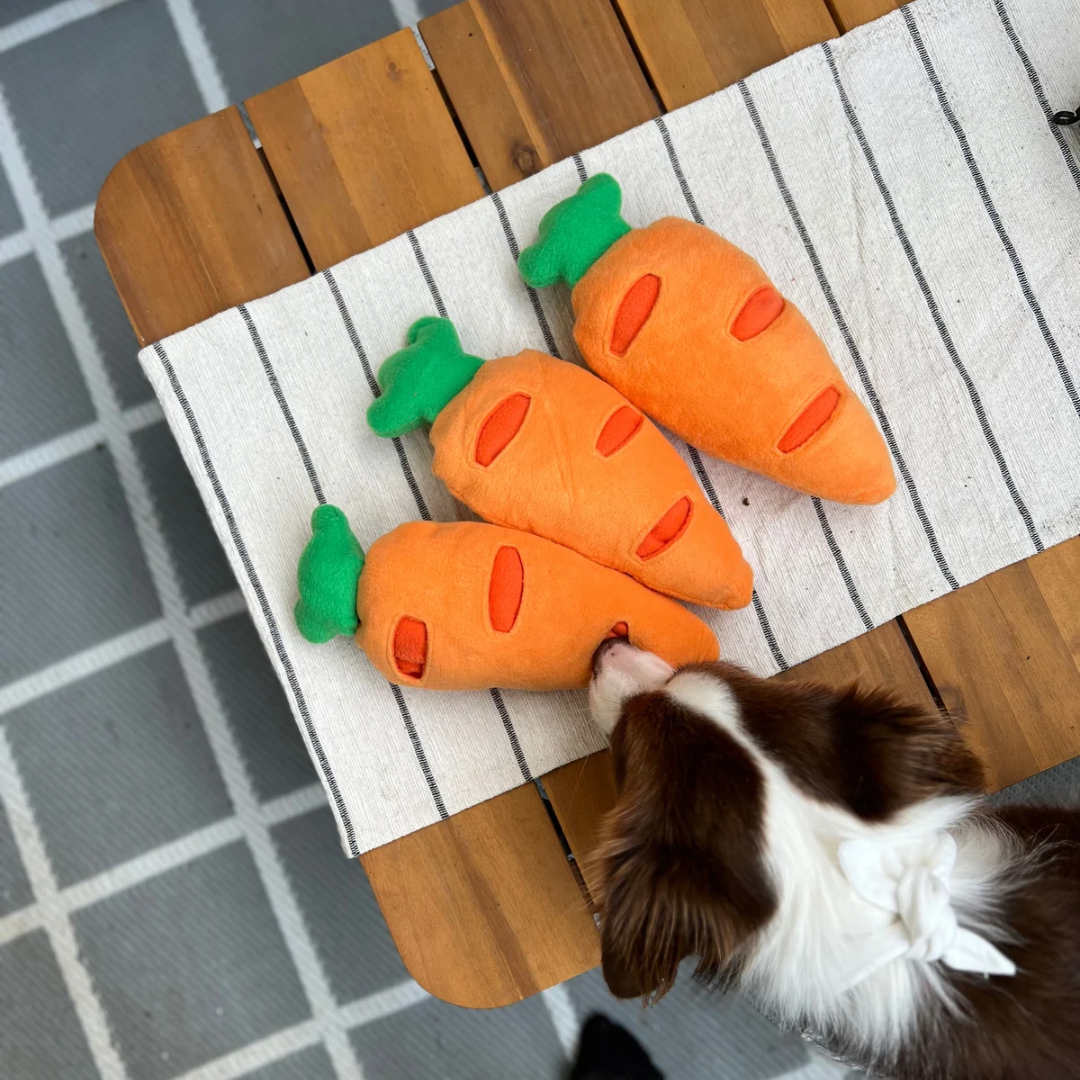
[115,650]
[71,444]
[51,18]
[199,55]
[161,859]
[183,849]
[54,920]
[291,1040]
[18,245]
[226,752]
[564,1017]
[407,12]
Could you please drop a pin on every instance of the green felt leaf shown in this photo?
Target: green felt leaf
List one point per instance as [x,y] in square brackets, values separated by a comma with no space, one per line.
[327,576]
[575,233]
[421,379]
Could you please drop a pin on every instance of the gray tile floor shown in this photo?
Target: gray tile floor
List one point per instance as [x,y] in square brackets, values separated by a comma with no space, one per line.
[173,899]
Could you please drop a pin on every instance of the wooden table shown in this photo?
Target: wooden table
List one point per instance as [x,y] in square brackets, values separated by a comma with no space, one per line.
[485,907]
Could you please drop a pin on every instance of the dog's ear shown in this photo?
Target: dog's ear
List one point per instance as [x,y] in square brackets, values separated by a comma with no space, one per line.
[682,871]
[902,753]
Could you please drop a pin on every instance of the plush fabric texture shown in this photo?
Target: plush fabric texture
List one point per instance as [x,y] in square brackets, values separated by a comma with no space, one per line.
[326,578]
[690,329]
[576,468]
[420,379]
[559,608]
[574,234]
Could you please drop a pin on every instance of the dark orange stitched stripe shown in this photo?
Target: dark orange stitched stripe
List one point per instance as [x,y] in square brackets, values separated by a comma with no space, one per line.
[810,420]
[634,310]
[758,313]
[667,530]
[410,646]
[500,427]
[622,426]
[507,585]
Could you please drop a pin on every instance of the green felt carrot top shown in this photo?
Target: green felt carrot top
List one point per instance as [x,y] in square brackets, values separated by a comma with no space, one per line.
[327,576]
[420,380]
[575,233]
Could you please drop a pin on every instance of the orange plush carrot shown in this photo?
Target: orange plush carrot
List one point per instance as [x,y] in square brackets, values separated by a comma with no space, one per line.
[691,330]
[538,444]
[466,606]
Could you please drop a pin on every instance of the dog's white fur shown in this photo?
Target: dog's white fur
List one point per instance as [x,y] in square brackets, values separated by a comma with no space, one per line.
[796,968]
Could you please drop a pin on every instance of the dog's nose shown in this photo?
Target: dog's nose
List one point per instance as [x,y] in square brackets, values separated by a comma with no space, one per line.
[621,671]
[603,649]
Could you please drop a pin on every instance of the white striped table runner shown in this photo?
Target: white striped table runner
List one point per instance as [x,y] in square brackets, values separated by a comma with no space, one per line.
[901,184]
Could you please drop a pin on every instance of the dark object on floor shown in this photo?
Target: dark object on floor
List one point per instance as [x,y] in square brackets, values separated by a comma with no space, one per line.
[609,1052]
[1065,118]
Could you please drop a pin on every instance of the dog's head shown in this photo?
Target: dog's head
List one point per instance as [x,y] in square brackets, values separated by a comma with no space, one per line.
[685,865]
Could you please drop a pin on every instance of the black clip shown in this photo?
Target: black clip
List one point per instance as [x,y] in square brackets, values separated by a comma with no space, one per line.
[1064,119]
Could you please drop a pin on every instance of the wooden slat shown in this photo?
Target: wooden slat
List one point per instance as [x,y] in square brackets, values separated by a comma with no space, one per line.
[999,654]
[483,907]
[851,13]
[183,243]
[692,48]
[363,149]
[534,81]
[581,793]
[511,941]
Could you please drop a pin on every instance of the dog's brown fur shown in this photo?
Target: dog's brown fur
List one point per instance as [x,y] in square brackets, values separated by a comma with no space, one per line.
[683,867]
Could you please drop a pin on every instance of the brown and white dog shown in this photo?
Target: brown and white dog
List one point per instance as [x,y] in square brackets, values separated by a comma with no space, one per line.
[830,855]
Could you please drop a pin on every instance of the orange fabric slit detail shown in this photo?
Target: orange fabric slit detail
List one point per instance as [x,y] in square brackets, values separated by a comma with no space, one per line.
[758,313]
[811,420]
[667,530]
[635,309]
[620,428]
[620,629]
[507,585]
[500,427]
[410,646]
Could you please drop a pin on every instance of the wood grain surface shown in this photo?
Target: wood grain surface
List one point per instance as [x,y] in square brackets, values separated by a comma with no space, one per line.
[484,908]
[364,149]
[534,81]
[184,243]
[692,48]
[851,13]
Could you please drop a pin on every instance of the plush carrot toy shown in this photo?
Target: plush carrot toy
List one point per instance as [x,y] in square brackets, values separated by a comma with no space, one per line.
[538,444]
[690,329]
[468,605]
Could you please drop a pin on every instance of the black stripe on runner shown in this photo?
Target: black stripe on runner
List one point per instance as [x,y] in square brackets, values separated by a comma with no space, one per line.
[496,694]
[440,307]
[849,340]
[534,299]
[376,391]
[1040,94]
[676,166]
[410,727]
[582,172]
[260,595]
[418,750]
[823,521]
[845,573]
[695,455]
[868,386]
[935,314]
[992,211]
[268,368]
